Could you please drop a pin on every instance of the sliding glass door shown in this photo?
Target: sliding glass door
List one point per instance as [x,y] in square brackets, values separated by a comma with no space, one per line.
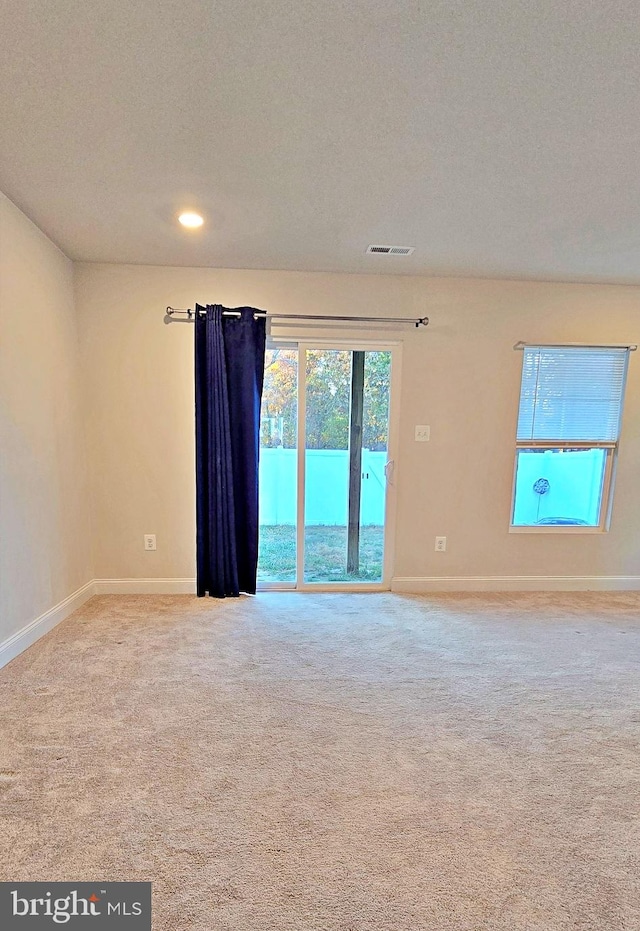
[325,467]
[346,452]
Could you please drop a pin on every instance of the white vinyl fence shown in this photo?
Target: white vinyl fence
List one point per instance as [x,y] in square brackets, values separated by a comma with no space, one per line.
[327,487]
[573,489]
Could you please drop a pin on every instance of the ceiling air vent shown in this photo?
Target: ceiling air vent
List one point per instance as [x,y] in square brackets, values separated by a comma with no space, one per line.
[390,250]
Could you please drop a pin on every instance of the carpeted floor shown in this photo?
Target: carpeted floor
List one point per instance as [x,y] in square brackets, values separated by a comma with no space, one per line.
[335,762]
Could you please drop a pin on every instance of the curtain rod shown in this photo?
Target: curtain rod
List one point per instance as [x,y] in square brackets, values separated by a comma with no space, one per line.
[188,316]
[521,344]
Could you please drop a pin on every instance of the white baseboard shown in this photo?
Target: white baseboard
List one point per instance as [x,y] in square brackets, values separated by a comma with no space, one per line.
[145,586]
[411,585]
[516,583]
[32,631]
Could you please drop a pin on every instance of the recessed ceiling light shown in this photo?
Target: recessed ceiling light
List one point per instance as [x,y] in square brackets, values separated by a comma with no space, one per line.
[192,220]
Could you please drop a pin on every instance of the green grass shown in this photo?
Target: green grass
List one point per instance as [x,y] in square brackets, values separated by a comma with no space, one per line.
[325,554]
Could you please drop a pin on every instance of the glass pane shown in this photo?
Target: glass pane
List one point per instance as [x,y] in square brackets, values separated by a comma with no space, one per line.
[375,453]
[346,439]
[326,464]
[278,467]
[560,487]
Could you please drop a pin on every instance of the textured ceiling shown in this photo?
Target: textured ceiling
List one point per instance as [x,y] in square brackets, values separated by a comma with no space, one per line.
[501,138]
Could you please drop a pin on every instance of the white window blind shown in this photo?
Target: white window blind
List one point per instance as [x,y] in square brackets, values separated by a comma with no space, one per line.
[572,393]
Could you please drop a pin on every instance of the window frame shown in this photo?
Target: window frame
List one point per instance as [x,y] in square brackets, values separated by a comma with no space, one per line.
[606,498]
[610,446]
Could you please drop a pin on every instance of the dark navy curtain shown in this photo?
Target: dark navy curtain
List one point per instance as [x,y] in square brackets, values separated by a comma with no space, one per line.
[229,373]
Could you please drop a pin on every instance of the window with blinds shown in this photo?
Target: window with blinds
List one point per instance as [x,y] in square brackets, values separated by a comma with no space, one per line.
[572,394]
[568,429]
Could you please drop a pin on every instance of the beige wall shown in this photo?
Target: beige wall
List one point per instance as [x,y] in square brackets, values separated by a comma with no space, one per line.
[45,539]
[460,375]
[130,381]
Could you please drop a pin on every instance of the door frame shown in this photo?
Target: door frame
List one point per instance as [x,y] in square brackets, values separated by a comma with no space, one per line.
[352,344]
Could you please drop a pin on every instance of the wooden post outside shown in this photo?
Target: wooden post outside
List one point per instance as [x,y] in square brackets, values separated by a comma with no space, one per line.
[355,461]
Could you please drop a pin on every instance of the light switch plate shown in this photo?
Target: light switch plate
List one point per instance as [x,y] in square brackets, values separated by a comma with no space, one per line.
[422,433]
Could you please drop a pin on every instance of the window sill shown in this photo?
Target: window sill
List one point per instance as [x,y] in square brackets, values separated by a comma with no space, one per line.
[558,528]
